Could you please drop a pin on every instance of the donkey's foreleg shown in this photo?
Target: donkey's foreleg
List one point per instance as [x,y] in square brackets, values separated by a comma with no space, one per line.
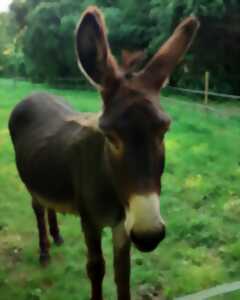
[53,227]
[44,243]
[121,248]
[95,260]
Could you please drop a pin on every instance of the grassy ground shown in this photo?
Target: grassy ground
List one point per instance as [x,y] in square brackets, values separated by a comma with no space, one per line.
[200,201]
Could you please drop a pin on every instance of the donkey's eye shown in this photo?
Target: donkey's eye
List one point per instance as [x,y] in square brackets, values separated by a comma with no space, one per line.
[160,138]
[111,138]
[114,143]
[161,135]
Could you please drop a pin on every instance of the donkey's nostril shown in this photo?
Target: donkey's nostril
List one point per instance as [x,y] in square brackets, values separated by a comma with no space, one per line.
[147,241]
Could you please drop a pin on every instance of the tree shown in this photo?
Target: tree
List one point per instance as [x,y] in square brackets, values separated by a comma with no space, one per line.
[48,42]
[10,58]
[45,35]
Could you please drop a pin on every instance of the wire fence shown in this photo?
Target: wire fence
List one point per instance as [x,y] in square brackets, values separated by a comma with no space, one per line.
[225,112]
[171,93]
[219,290]
[68,82]
[79,82]
[201,92]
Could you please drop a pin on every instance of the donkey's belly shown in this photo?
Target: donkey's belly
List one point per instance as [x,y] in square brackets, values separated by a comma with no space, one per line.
[59,206]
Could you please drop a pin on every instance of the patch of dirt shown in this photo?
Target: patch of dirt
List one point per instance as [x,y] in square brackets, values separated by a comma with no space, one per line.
[148,292]
[11,249]
[47,284]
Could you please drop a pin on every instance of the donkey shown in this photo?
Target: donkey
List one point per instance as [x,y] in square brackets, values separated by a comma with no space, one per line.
[104,167]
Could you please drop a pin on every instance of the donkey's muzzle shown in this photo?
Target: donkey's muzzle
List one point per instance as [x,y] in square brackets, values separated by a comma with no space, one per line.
[148,241]
[144,223]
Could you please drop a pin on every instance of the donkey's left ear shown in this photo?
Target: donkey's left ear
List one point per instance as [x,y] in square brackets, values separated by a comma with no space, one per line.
[94,55]
[163,63]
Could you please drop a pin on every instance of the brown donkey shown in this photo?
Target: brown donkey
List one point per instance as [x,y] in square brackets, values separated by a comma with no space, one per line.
[105,168]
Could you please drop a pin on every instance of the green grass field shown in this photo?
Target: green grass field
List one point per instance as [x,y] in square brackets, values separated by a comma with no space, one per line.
[200,202]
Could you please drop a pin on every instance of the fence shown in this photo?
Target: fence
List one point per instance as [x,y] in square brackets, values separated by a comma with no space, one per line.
[203,93]
[77,82]
[213,292]
[169,92]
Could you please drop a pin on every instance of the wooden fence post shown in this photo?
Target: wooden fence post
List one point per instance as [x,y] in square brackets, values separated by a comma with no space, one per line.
[206,89]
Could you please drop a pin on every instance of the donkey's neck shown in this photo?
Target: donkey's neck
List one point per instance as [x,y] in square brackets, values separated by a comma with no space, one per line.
[95,182]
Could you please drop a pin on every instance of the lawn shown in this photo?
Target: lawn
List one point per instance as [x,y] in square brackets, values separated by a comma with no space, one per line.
[200,202]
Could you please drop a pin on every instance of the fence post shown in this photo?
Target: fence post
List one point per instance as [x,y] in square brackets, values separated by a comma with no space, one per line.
[206,89]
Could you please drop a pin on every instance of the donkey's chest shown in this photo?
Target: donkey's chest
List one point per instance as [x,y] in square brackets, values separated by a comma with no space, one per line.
[105,207]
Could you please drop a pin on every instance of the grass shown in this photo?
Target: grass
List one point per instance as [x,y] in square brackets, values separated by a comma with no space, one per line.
[200,202]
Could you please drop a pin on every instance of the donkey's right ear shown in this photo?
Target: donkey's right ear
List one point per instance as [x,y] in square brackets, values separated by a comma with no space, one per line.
[94,55]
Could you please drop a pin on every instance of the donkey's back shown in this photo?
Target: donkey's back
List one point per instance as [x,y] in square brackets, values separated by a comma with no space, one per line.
[38,111]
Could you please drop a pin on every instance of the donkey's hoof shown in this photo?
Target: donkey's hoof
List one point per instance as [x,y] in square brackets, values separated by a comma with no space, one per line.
[44,259]
[58,240]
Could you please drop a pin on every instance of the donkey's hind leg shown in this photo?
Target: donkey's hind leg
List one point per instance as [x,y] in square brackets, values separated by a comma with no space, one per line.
[44,244]
[53,227]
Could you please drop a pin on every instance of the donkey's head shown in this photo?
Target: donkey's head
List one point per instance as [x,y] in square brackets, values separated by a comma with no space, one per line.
[132,121]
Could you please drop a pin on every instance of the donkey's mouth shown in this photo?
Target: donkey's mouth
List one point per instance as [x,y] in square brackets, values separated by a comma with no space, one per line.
[149,241]
[144,223]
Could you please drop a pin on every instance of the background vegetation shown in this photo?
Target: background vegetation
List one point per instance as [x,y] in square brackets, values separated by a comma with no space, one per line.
[37,38]
[200,202]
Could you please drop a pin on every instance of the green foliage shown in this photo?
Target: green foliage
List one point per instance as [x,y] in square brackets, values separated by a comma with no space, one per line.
[49,48]
[6,45]
[44,37]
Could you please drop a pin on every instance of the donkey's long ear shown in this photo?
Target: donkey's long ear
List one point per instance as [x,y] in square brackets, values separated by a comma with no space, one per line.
[94,55]
[162,64]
